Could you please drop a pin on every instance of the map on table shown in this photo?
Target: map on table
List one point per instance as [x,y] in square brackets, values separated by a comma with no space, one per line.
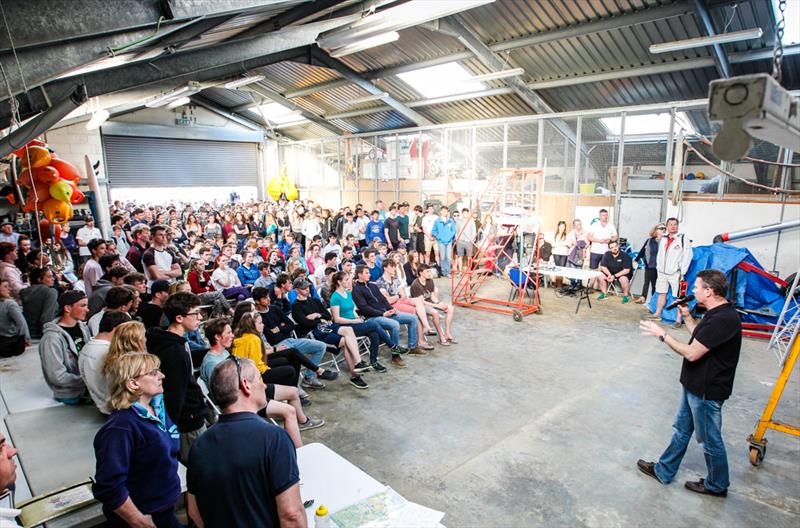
[386,509]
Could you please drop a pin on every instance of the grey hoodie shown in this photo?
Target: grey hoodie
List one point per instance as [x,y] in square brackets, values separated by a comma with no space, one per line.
[60,361]
[12,322]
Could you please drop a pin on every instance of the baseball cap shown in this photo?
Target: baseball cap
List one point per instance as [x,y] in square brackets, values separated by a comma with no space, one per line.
[70,297]
[301,284]
[159,286]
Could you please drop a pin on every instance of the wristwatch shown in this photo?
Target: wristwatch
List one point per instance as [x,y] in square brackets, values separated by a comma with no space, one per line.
[662,337]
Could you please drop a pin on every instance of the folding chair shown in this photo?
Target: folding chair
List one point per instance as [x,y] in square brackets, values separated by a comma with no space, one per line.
[520,279]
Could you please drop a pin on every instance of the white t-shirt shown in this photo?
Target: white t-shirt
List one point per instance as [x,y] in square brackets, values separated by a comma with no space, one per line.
[90,364]
[427,223]
[87,235]
[229,274]
[94,322]
[600,232]
[361,222]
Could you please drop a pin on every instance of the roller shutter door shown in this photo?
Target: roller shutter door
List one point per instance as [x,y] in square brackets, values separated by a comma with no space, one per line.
[161,162]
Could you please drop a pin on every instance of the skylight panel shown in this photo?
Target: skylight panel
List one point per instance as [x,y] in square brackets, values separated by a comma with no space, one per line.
[442,80]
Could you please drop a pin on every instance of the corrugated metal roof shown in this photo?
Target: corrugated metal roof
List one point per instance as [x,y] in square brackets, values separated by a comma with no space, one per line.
[597,52]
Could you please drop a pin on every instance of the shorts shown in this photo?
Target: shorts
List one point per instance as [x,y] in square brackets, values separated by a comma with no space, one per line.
[463,249]
[329,338]
[270,391]
[428,244]
[669,280]
[594,260]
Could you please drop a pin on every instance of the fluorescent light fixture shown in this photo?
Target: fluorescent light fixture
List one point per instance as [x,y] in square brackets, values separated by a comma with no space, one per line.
[699,42]
[165,98]
[504,74]
[179,102]
[371,42]
[646,124]
[368,98]
[791,31]
[511,143]
[98,118]
[438,81]
[395,18]
[278,115]
[244,81]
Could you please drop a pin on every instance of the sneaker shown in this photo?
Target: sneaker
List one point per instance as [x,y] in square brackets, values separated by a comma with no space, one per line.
[377,367]
[361,366]
[312,383]
[311,423]
[305,402]
[398,362]
[625,300]
[359,383]
[399,350]
[329,375]
[602,297]
[417,352]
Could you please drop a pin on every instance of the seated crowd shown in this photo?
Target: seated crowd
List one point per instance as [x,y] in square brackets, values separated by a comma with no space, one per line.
[190,328]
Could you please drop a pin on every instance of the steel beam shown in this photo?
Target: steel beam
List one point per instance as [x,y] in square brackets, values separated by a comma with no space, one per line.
[489,59]
[199,100]
[718,51]
[314,118]
[624,20]
[220,61]
[351,75]
[425,102]
[296,14]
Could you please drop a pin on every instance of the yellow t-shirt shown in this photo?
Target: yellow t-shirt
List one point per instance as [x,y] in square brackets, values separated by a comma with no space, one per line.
[249,346]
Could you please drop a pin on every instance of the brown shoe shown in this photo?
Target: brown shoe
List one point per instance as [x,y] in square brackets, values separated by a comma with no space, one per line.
[417,352]
[398,362]
[699,486]
[648,468]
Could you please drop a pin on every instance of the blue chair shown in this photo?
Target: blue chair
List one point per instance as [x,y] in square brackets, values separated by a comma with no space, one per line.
[520,279]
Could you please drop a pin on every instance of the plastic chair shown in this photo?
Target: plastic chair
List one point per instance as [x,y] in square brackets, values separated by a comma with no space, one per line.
[520,279]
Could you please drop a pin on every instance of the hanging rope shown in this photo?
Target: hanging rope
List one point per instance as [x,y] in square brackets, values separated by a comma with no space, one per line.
[13,48]
[777,190]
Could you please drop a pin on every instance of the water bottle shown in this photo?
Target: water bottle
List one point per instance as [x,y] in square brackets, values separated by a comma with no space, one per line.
[321,518]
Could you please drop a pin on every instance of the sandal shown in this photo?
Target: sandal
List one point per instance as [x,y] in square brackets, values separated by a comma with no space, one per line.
[444,342]
[640,300]
[425,346]
[452,340]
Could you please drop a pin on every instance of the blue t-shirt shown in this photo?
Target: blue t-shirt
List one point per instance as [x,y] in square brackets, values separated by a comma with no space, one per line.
[347,308]
[374,230]
[210,361]
[375,272]
[254,459]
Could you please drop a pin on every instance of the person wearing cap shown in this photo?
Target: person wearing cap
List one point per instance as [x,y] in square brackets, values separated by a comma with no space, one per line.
[61,343]
[85,235]
[152,313]
[7,233]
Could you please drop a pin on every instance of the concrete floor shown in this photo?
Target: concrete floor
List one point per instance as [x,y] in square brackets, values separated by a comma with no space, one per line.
[541,423]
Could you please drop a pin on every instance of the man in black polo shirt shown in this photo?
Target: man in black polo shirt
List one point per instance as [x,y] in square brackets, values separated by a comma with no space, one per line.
[615,265]
[709,366]
[391,229]
[243,470]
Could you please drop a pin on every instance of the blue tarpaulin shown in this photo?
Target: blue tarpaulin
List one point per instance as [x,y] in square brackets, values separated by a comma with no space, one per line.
[753,291]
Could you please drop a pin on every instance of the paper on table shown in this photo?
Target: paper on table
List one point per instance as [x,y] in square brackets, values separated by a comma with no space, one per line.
[386,509]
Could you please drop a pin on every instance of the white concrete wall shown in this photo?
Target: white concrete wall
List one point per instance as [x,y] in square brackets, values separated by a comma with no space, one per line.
[73,142]
[701,221]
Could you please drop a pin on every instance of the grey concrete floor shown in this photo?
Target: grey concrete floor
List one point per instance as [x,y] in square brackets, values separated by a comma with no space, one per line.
[541,423]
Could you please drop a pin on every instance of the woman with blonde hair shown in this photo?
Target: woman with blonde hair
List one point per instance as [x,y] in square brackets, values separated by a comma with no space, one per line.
[281,380]
[647,256]
[128,337]
[137,446]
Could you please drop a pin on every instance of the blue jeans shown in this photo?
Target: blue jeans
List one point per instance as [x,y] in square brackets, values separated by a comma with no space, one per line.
[704,418]
[309,347]
[446,257]
[375,333]
[392,325]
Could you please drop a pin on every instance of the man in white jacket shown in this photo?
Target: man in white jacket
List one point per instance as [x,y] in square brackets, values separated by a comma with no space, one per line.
[672,262]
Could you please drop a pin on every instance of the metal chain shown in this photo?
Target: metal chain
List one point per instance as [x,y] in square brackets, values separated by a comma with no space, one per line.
[777,50]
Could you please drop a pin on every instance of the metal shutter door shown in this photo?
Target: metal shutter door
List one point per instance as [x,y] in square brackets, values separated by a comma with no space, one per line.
[160,162]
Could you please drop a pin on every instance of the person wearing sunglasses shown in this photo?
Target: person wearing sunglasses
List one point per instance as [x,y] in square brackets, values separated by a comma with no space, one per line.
[243,471]
[137,447]
[647,257]
[183,398]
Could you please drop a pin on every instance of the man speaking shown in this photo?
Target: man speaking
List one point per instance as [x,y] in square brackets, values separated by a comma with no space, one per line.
[709,366]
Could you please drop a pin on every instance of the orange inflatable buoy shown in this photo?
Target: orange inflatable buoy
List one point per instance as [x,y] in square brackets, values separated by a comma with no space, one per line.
[65,169]
[20,152]
[36,157]
[57,211]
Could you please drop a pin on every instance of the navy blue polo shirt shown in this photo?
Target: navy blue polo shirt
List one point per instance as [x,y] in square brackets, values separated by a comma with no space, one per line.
[238,467]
